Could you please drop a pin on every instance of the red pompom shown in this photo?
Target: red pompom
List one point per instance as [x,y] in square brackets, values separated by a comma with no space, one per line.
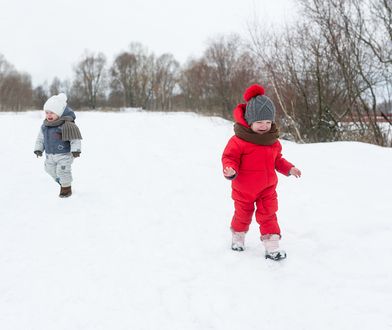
[253,91]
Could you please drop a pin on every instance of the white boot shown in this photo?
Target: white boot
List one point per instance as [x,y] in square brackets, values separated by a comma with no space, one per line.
[238,240]
[271,244]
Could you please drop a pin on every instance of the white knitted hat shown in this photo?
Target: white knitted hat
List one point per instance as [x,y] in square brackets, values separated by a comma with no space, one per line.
[56,104]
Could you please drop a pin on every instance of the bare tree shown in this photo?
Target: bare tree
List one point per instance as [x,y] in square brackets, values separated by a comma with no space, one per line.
[143,73]
[132,75]
[122,78]
[15,88]
[342,25]
[55,86]
[232,69]
[5,69]
[323,72]
[194,85]
[165,80]
[16,92]
[215,83]
[90,76]
[40,96]
[76,95]
[378,34]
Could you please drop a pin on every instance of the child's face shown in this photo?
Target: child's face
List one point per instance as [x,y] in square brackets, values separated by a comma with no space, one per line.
[261,126]
[51,116]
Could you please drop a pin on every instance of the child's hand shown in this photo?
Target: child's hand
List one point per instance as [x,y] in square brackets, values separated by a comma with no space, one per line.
[296,172]
[38,153]
[229,172]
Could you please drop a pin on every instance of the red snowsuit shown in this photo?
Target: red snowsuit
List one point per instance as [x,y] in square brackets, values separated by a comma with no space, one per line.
[256,179]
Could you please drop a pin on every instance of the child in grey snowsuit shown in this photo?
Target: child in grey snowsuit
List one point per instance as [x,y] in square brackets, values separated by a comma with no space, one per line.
[60,138]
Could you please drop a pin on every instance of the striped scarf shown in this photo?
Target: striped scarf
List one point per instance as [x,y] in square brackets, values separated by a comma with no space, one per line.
[69,129]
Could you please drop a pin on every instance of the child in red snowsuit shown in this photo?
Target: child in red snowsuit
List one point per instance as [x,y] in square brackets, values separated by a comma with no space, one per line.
[251,158]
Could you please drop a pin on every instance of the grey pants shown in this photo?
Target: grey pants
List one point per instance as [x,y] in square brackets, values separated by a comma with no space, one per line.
[59,168]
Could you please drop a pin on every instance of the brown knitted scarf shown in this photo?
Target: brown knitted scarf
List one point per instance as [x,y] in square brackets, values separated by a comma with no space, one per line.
[245,133]
[69,129]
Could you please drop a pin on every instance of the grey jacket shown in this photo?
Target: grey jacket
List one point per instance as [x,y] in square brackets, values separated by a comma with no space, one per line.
[49,139]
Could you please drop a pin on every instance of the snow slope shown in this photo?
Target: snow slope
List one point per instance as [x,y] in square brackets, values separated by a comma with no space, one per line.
[144,242]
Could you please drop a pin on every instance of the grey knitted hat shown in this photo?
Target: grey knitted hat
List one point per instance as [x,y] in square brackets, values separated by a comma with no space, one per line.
[258,108]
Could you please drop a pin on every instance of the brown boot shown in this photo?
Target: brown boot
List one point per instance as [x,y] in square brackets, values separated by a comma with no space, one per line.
[65,192]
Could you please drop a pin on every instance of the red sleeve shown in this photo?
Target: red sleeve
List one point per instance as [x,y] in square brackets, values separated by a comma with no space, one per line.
[282,165]
[232,155]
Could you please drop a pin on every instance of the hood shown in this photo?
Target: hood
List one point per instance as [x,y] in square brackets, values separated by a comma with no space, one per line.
[68,112]
[239,114]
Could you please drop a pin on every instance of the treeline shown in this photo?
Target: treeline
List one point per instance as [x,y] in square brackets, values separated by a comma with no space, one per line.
[329,73]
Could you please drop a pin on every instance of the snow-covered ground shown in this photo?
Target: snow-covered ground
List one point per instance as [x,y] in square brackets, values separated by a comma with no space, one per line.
[144,242]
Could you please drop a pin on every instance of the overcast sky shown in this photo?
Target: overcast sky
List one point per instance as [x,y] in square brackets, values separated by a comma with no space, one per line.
[46,38]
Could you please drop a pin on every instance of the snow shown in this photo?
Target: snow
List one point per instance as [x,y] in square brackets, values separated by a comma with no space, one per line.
[144,242]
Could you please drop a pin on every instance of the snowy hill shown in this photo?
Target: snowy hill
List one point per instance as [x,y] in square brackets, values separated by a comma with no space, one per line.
[144,242]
